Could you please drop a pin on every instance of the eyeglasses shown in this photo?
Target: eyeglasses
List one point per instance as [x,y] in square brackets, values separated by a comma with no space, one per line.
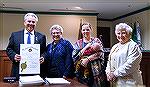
[55,33]
[31,21]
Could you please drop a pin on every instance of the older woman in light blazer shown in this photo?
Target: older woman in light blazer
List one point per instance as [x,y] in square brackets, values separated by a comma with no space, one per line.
[124,59]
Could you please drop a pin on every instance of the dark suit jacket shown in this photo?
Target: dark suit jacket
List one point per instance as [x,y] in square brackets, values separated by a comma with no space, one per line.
[13,48]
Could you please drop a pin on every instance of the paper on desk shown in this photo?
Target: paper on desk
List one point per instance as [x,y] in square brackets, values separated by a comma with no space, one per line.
[31,79]
[57,81]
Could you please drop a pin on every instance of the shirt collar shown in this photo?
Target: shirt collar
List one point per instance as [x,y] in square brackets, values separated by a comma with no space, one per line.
[25,31]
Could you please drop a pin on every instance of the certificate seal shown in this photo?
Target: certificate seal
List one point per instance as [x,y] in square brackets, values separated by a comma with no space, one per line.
[23,66]
[30,50]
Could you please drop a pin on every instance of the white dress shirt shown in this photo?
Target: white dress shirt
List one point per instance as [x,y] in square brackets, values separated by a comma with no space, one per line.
[26,36]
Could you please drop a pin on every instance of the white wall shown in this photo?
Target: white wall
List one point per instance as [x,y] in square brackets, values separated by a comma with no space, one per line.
[1,34]
[70,23]
[13,22]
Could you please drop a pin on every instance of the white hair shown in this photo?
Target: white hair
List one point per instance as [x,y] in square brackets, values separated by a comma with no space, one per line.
[123,26]
[30,15]
[56,27]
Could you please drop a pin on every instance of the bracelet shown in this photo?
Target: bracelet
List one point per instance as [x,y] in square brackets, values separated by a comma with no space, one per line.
[80,53]
[82,64]
[88,59]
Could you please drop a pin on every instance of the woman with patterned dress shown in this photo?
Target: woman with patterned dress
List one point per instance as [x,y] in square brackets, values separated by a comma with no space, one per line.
[89,69]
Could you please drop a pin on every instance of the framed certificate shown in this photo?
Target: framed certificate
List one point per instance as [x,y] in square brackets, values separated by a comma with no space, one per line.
[30,59]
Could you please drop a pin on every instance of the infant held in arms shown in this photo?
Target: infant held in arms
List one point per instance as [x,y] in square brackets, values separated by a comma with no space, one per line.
[87,51]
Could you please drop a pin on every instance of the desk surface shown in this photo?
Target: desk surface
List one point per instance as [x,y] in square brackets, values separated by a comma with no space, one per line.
[72,84]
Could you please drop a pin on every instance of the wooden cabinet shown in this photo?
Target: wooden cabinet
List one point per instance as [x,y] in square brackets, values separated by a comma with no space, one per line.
[5,65]
[145,68]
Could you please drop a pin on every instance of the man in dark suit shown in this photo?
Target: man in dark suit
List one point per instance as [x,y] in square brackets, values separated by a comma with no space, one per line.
[21,37]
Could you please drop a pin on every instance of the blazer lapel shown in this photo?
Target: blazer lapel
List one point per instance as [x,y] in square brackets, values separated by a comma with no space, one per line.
[35,38]
[21,37]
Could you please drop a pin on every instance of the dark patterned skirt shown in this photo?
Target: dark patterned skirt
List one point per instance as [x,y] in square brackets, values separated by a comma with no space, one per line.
[93,75]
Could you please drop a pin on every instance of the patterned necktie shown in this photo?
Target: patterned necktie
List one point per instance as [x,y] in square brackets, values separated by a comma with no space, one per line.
[29,38]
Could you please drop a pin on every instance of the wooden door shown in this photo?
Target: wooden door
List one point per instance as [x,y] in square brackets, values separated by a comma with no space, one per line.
[104,34]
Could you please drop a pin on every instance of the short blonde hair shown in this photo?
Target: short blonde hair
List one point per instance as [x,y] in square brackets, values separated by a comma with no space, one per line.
[30,15]
[123,26]
[56,27]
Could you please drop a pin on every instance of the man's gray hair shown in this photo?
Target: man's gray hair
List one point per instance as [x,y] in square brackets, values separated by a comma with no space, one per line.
[30,15]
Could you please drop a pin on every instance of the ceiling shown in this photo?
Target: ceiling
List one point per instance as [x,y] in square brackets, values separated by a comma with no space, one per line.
[107,9]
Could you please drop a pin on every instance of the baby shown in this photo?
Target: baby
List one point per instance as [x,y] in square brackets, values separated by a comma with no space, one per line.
[91,49]
[94,48]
